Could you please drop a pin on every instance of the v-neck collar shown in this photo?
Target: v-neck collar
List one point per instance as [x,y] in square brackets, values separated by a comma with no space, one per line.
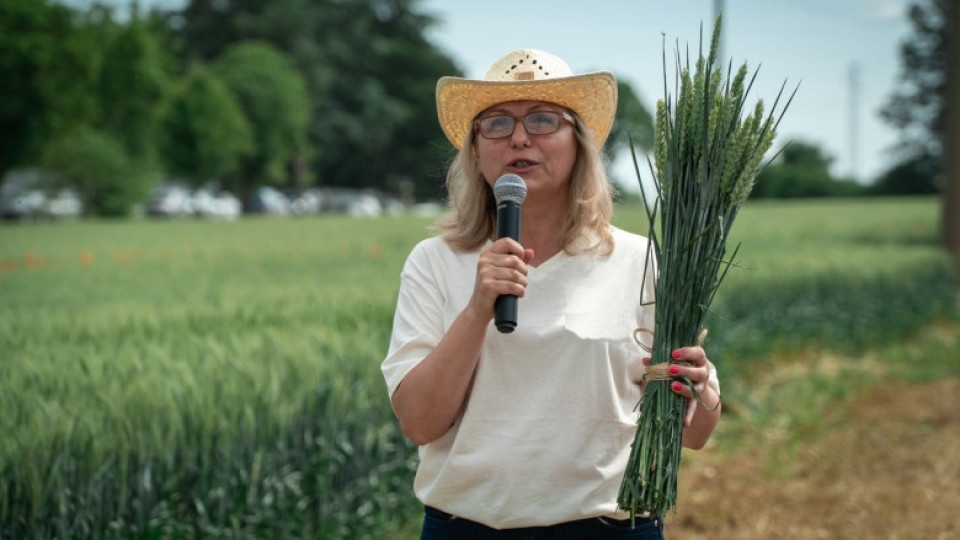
[544,267]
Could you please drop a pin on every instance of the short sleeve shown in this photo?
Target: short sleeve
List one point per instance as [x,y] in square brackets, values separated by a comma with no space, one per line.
[418,320]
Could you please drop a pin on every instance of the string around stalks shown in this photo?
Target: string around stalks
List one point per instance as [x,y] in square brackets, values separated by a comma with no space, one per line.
[661,371]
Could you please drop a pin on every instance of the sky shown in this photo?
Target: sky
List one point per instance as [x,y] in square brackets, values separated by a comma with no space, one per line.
[844,55]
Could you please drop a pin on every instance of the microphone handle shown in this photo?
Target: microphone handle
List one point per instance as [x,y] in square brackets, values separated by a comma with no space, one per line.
[505,306]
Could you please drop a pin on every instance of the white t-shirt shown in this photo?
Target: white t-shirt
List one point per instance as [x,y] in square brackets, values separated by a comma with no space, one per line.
[546,432]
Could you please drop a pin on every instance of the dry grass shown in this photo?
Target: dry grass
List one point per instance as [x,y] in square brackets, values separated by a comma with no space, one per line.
[887,467]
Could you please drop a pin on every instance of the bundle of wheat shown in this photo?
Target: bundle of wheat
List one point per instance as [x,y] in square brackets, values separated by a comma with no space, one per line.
[707,156]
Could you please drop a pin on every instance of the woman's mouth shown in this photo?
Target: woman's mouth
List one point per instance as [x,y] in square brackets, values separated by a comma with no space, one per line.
[521,164]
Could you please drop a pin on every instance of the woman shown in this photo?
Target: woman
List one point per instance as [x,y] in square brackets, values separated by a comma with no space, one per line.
[530,430]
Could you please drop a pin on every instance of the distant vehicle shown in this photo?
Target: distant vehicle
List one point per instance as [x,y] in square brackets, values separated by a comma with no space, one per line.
[355,202]
[22,205]
[22,197]
[307,203]
[268,200]
[65,204]
[365,205]
[170,200]
[220,205]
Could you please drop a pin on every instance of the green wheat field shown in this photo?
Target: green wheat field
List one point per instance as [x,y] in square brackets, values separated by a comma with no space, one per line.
[181,379]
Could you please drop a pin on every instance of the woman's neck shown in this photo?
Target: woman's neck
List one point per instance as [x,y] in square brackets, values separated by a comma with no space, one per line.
[541,231]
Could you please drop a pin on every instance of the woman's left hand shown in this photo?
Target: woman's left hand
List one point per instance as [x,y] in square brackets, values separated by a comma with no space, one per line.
[693,365]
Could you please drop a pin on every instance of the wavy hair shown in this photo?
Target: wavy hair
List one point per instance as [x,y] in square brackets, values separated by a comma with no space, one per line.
[472,216]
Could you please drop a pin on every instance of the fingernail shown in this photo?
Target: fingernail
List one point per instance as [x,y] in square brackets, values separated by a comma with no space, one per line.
[676,387]
[676,355]
[674,370]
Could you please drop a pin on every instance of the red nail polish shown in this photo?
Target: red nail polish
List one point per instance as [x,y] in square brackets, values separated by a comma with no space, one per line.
[674,370]
[676,355]
[677,387]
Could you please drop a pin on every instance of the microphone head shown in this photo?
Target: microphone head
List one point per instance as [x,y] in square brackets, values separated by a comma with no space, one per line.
[510,187]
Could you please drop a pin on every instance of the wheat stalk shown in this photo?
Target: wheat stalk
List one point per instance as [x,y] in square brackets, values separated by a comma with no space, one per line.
[706,159]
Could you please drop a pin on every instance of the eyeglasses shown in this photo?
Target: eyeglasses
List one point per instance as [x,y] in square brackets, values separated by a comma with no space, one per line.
[534,123]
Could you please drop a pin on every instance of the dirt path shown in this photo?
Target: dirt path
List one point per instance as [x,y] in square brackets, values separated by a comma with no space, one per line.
[888,467]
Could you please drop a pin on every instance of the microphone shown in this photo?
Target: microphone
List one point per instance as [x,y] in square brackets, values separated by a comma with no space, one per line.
[510,191]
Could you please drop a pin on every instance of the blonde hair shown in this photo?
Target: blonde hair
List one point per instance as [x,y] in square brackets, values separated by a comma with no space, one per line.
[472,216]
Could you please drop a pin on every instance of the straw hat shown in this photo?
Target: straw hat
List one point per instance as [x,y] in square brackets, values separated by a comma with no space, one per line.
[528,74]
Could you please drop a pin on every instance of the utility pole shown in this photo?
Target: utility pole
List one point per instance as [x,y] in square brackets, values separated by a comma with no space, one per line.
[717,10]
[853,81]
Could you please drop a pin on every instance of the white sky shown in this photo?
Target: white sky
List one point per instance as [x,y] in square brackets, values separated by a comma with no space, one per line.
[813,42]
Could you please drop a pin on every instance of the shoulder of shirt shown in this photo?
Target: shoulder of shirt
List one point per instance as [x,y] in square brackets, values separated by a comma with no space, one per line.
[436,247]
[629,240]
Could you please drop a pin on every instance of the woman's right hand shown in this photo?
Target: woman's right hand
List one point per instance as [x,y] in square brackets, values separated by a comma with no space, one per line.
[434,393]
[502,269]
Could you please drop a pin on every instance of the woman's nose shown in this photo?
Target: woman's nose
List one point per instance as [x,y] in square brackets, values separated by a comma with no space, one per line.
[519,137]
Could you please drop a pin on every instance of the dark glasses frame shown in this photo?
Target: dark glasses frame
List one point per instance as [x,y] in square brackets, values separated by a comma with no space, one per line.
[561,115]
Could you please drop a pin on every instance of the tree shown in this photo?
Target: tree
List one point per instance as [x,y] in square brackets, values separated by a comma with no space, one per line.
[917,175]
[48,68]
[133,85]
[371,75]
[801,170]
[632,122]
[915,108]
[205,133]
[928,121]
[273,96]
[96,165]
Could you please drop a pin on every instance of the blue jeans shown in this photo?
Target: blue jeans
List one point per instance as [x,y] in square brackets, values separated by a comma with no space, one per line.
[439,525]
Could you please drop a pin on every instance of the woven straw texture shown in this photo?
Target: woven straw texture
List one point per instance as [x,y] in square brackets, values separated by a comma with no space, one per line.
[527,74]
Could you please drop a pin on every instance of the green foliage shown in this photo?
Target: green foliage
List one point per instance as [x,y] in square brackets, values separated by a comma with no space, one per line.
[206,134]
[48,67]
[133,85]
[273,96]
[916,107]
[632,123]
[365,116]
[802,170]
[917,175]
[381,99]
[370,73]
[97,166]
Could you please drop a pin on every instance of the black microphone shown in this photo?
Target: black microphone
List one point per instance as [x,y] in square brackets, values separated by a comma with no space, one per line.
[510,191]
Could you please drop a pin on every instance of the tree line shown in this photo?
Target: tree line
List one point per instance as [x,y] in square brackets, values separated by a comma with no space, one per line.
[243,93]
[298,93]
[287,93]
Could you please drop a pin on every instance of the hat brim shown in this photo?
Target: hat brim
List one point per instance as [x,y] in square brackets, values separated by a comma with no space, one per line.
[593,96]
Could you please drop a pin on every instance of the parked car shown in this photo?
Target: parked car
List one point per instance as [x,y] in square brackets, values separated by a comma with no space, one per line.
[22,196]
[365,205]
[268,200]
[221,205]
[170,200]
[307,203]
[355,202]
[65,204]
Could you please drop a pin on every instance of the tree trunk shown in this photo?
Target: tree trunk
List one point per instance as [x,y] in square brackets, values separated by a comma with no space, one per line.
[950,225]
[298,173]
